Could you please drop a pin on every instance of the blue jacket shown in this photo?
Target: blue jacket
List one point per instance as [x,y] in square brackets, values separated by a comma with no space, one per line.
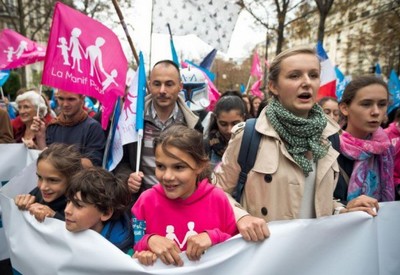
[119,232]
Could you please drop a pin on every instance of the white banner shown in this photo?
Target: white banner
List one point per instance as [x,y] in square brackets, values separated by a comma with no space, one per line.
[13,159]
[352,243]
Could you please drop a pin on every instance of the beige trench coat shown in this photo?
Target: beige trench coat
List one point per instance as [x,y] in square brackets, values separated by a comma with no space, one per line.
[274,187]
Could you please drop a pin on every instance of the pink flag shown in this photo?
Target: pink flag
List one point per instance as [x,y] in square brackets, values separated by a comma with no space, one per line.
[83,56]
[17,51]
[256,66]
[255,89]
[213,94]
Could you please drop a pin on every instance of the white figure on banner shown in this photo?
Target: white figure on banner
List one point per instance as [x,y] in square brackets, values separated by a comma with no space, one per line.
[23,46]
[76,48]
[171,234]
[190,233]
[110,78]
[10,53]
[64,50]
[94,53]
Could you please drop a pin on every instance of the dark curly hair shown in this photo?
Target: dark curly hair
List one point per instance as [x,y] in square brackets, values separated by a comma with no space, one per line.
[102,189]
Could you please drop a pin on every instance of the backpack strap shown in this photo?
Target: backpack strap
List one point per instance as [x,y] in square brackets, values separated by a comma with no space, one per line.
[247,154]
[335,140]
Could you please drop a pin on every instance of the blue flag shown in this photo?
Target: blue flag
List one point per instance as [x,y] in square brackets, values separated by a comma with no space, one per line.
[378,71]
[208,60]
[4,75]
[242,88]
[394,90]
[108,156]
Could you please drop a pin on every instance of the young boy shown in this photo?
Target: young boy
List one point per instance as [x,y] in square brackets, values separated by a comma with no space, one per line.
[97,200]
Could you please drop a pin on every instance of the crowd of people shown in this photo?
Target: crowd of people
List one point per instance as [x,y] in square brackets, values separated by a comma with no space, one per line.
[314,159]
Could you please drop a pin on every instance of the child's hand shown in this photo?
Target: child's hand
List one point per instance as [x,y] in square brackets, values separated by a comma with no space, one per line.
[135,181]
[24,201]
[165,249]
[145,257]
[197,245]
[41,211]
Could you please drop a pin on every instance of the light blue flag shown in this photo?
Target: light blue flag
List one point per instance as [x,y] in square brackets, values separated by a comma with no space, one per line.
[394,90]
[90,105]
[173,52]
[341,83]
[4,75]
[242,88]
[140,94]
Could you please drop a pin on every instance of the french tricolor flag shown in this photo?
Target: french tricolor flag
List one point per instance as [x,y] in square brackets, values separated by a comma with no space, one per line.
[328,75]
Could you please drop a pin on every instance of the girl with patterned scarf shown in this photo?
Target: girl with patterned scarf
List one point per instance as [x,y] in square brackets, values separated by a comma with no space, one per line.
[295,170]
[366,158]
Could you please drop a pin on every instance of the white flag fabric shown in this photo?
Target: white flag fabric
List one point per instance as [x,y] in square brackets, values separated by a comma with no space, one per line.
[125,131]
[353,243]
[213,21]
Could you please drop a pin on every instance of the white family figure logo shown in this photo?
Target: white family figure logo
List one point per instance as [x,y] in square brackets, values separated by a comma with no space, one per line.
[93,54]
[23,46]
[170,230]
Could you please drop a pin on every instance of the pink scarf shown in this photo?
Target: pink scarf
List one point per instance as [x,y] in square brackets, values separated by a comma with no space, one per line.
[373,167]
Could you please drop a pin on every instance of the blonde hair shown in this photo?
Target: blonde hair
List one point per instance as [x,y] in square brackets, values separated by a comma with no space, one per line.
[275,67]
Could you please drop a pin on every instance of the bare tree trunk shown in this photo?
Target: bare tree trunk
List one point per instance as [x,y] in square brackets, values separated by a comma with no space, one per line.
[321,27]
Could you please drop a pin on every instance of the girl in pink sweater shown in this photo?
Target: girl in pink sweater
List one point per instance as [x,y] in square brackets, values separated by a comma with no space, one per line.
[184,211]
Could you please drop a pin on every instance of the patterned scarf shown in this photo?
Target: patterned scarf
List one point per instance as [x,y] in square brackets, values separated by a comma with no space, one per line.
[217,142]
[300,134]
[63,121]
[373,167]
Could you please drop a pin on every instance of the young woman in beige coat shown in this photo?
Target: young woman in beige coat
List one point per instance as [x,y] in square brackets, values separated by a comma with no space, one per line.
[295,172]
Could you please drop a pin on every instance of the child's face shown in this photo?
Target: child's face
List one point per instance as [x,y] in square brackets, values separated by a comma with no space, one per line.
[80,215]
[177,177]
[51,183]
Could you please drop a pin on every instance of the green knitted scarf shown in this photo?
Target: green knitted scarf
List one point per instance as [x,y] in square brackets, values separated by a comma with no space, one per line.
[300,134]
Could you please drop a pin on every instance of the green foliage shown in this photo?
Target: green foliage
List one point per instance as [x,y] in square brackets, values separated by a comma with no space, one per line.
[12,85]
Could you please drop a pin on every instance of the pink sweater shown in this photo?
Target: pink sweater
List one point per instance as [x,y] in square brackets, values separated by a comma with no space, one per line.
[206,210]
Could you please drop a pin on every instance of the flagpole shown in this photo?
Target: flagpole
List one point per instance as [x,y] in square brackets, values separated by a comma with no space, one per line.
[151,35]
[121,18]
[247,86]
[40,93]
[2,93]
[139,150]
